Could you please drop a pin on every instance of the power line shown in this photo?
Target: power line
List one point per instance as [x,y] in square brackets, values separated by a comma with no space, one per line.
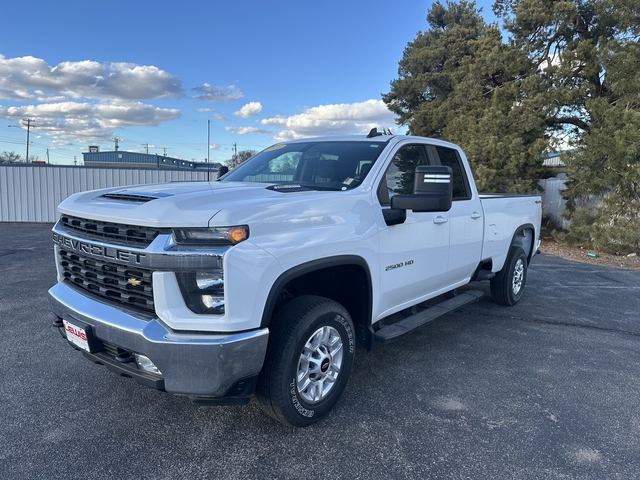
[13,142]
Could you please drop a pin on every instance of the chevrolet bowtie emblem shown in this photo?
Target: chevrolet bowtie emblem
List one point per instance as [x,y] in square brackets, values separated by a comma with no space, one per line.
[134,281]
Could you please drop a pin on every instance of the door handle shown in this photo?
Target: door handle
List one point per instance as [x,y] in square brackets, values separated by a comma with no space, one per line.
[440,219]
[475,215]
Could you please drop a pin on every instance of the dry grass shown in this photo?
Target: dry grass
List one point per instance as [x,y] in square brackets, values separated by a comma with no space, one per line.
[579,254]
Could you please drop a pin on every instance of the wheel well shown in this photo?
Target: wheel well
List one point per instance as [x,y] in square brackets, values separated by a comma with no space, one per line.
[524,239]
[348,284]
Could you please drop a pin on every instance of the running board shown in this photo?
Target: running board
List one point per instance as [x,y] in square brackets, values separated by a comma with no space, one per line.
[396,331]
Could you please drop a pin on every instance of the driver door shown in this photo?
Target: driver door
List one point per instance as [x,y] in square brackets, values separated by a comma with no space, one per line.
[413,255]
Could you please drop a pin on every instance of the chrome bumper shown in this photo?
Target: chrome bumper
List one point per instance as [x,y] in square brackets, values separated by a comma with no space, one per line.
[193,364]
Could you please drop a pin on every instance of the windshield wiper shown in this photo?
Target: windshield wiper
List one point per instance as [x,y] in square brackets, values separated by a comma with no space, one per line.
[288,187]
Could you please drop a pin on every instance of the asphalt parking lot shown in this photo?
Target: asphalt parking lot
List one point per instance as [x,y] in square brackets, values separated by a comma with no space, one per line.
[547,389]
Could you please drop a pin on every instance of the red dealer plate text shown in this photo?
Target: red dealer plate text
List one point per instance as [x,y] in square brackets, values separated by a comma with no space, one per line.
[76,335]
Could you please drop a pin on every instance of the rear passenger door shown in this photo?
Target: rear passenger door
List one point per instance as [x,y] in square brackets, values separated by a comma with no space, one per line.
[465,218]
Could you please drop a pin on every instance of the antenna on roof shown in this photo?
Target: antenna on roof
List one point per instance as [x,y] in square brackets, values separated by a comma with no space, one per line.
[374,133]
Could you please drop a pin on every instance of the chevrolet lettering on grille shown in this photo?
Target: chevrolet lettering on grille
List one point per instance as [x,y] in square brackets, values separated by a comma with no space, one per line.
[111,253]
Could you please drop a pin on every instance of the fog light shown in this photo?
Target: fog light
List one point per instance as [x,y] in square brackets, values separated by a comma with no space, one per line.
[213,302]
[203,292]
[144,363]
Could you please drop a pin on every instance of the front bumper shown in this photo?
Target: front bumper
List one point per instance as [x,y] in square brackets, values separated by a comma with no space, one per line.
[204,366]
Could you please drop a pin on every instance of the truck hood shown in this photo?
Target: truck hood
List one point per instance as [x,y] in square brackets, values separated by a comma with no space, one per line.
[188,204]
[177,204]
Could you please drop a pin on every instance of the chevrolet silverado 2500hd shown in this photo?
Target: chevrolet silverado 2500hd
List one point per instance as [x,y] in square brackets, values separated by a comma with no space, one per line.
[266,281]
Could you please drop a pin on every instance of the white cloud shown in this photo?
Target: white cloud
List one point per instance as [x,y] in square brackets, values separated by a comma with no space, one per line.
[247,130]
[84,121]
[249,110]
[56,142]
[214,146]
[213,113]
[340,119]
[136,82]
[32,79]
[209,93]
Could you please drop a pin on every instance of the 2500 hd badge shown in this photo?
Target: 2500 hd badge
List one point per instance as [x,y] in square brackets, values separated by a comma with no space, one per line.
[398,265]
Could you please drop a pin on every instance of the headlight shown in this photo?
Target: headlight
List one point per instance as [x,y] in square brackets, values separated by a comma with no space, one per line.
[203,292]
[211,236]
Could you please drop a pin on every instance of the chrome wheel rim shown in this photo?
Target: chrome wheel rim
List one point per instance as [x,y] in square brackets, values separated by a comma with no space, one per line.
[319,364]
[518,277]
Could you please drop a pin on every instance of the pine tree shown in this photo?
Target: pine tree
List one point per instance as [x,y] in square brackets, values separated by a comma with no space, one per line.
[459,82]
[588,60]
[568,78]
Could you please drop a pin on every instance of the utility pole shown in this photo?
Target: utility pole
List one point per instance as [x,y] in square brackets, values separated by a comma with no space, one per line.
[147,146]
[115,141]
[235,155]
[48,156]
[208,149]
[27,123]
[165,151]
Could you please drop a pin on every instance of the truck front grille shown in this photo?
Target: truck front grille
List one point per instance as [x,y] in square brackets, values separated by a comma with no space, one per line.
[128,285]
[113,233]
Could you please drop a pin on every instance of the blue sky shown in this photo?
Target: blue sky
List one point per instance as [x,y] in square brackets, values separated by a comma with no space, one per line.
[154,72]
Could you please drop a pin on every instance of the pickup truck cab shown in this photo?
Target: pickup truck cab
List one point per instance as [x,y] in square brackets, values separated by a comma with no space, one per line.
[267,281]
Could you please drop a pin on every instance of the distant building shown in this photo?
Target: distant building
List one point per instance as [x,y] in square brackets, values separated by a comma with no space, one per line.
[553,160]
[142,160]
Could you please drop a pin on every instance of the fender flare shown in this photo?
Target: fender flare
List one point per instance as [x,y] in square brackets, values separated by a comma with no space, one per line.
[309,267]
[520,229]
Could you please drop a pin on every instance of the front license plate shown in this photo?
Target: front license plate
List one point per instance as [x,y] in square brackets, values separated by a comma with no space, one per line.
[77,335]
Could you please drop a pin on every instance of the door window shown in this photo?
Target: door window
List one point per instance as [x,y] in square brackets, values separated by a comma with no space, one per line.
[401,172]
[449,158]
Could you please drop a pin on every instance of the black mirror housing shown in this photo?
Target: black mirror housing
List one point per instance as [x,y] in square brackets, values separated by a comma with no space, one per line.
[432,190]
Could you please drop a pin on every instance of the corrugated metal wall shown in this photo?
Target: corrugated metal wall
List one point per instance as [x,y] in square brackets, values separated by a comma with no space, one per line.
[31,193]
[553,202]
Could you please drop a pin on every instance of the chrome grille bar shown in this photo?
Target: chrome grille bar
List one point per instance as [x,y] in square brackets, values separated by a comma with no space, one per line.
[130,285]
[114,233]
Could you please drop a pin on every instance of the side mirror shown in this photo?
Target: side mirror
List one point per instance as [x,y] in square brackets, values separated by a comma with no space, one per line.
[223,170]
[432,191]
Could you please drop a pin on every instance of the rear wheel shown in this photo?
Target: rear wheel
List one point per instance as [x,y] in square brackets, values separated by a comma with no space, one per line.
[309,360]
[507,286]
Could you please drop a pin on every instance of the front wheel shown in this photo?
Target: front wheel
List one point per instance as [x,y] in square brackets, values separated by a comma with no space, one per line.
[507,286]
[309,360]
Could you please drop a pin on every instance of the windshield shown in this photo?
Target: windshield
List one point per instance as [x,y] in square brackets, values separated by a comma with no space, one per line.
[338,165]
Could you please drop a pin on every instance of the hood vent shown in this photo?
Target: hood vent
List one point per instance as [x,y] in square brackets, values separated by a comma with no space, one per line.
[126,196]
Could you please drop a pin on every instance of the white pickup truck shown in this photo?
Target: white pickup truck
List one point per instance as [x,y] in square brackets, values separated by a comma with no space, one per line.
[266,281]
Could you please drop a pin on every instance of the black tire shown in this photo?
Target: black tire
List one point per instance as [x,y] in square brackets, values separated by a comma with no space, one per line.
[508,284]
[301,380]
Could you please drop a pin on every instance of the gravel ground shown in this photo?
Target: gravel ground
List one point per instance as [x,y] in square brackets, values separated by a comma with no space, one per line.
[580,254]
